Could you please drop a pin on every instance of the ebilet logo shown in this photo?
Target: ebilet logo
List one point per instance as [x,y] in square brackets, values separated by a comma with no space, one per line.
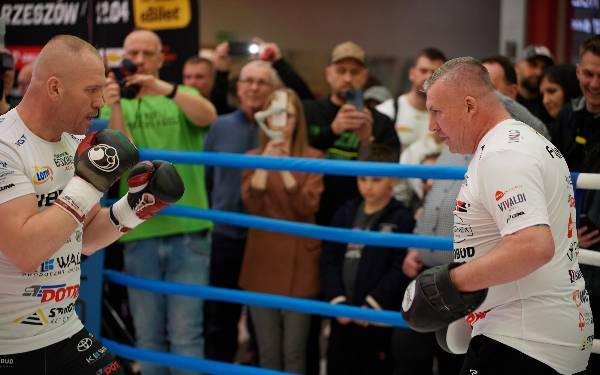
[104,157]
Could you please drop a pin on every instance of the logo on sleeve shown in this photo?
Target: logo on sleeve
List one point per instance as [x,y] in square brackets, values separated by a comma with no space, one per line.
[41,175]
[514,136]
[462,206]
[514,200]
[554,152]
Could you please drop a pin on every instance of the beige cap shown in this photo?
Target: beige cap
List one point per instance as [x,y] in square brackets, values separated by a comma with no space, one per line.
[348,50]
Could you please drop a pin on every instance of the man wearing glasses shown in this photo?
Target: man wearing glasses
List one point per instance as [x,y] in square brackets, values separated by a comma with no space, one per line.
[235,132]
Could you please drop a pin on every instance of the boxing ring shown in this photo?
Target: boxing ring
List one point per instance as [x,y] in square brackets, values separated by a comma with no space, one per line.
[349,168]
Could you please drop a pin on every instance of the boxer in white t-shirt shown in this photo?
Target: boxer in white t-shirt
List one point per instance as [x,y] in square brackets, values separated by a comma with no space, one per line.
[51,181]
[514,225]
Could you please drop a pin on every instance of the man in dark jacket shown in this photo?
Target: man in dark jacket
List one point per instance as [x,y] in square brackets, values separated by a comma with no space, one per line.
[340,129]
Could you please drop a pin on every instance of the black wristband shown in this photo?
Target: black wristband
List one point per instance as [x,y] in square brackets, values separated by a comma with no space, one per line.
[173,92]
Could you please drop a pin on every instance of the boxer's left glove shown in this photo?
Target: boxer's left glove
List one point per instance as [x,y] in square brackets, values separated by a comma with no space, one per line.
[431,301]
[152,186]
[100,160]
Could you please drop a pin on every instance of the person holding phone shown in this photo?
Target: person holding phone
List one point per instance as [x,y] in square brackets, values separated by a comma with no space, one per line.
[341,129]
[279,263]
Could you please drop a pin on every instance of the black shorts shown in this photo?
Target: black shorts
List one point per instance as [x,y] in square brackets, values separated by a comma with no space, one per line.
[490,357]
[80,354]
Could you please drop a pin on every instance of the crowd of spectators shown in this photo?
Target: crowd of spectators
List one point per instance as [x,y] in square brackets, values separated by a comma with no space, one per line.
[561,102]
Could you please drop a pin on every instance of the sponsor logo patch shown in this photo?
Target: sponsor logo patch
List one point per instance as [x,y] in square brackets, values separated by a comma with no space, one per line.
[575,275]
[6,187]
[462,206]
[38,318]
[48,293]
[508,204]
[41,175]
[580,297]
[553,152]
[464,252]
[63,159]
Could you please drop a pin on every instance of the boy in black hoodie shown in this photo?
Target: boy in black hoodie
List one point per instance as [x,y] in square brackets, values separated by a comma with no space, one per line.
[367,276]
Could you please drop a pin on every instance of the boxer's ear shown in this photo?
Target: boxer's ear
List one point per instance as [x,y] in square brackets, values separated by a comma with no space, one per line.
[471,105]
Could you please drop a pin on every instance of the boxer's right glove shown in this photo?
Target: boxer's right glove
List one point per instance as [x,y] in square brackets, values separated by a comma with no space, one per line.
[431,301]
[152,187]
[101,158]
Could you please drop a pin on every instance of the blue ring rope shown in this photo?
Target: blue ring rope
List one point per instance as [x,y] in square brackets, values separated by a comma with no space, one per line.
[184,362]
[334,167]
[259,299]
[313,230]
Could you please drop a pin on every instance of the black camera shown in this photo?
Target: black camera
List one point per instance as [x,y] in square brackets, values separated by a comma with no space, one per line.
[126,69]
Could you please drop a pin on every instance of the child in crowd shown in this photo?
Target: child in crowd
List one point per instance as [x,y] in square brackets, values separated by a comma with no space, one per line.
[279,263]
[367,276]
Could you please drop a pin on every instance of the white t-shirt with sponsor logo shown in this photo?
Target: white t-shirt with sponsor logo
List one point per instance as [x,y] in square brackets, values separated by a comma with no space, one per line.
[37,309]
[411,123]
[518,179]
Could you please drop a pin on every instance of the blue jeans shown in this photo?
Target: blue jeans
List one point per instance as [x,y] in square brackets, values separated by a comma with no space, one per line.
[168,323]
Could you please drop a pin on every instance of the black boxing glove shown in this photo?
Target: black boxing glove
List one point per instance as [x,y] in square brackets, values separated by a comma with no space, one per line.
[152,187]
[431,301]
[101,158]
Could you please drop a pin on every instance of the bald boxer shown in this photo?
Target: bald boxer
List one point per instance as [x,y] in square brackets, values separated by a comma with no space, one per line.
[51,180]
[515,277]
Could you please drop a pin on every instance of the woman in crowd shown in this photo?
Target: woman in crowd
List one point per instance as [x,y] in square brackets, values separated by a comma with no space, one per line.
[559,85]
[279,263]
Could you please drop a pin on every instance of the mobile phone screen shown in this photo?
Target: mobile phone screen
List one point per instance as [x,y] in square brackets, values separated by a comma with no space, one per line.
[355,97]
[238,48]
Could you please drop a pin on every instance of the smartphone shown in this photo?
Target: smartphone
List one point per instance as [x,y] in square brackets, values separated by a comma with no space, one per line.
[242,49]
[279,105]
[355,97]
[585,221]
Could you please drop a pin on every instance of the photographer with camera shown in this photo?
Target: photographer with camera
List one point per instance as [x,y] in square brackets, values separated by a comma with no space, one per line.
[7,75]
[163,115]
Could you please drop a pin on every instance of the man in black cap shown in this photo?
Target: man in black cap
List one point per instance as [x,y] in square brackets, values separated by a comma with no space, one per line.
[532,62]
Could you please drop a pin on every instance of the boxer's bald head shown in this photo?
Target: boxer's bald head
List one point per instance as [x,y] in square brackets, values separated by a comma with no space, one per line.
[63,55]
[464,73]
[66,87]
[462,103]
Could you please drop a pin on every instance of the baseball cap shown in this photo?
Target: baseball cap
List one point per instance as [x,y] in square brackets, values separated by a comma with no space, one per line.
[536,50]
[379,93]
[348,50]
